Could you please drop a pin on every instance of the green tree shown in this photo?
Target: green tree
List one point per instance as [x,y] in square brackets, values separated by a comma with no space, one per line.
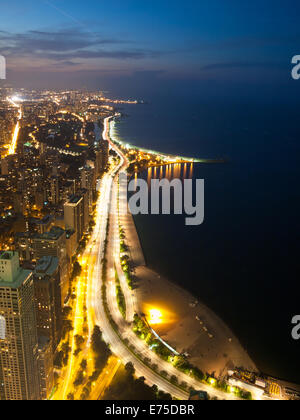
[79,340]
[79,378]
[130,368]
[83,364]
[77,269]
[58,359]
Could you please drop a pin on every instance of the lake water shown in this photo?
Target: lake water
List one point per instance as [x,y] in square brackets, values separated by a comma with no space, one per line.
[243,260]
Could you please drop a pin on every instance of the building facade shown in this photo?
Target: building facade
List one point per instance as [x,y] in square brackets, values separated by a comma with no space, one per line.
[53,243]
[48,299]
[19,378]
[45,366]
[74,215]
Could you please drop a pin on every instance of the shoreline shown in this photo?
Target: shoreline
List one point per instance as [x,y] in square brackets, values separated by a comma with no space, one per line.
[192,329]
[223,351]
[209,341]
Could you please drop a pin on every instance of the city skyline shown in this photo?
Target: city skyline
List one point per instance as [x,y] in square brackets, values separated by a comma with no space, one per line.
[149,157]
[64,44]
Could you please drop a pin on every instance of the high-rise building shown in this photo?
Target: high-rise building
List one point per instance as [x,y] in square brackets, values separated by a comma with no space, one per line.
[19,202]
[53,243]
[54,190]
[68,189]
[86,207]
[48,299]
[87,177]
[104,149]
[45,367]
[98,164]
[42,225]
[23,244]
[71,243]
[88,182]
[40,198]
[7,164]
[74,215]
[101,157]
[19,379]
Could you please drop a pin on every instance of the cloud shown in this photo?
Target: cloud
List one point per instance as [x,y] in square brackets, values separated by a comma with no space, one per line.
[100,53]
[35,42]
[68,45]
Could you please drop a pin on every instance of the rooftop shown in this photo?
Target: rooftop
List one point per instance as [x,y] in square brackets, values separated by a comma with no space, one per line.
[54,233]
[74,199]
[44,221]
[46,266]
[7,255]
[18,281]
[43,342]
[69,233]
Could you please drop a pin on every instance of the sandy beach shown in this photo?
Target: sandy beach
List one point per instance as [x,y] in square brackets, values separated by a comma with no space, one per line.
[187,325]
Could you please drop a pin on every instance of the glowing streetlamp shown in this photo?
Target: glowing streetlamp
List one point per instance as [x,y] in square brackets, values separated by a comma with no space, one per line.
[155,316]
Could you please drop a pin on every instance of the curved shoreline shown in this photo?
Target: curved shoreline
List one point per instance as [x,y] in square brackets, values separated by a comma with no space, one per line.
[137,346]
[187,334]
[218,354]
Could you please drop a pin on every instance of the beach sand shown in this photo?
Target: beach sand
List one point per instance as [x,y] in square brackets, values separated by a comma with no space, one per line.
[186,324]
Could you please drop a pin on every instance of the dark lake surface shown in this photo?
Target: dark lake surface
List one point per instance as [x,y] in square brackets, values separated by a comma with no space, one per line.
[243,260]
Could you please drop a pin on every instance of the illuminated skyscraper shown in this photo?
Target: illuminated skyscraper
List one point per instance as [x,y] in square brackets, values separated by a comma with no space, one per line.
[45,366]
[48,299]
[53,243]
[74,215]
[54,190]
[88,182]
[19,378]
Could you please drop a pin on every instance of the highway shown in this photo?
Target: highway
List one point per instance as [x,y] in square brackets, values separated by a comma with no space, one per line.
[13,145]
[107,208]
[94,292]
[105,378]
[74,361]
[90,269]
[89,290]
[83,292]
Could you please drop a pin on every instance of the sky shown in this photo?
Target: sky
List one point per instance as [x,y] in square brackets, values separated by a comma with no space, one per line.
[54,43]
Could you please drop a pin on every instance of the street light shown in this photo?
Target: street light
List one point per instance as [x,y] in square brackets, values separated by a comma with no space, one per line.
[155,316]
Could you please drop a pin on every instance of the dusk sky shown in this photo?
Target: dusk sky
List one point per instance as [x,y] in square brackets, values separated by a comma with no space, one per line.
[195,105]
[60,41]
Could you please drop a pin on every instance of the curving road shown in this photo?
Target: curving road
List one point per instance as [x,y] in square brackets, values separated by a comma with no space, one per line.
[107,209]
[13,145]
